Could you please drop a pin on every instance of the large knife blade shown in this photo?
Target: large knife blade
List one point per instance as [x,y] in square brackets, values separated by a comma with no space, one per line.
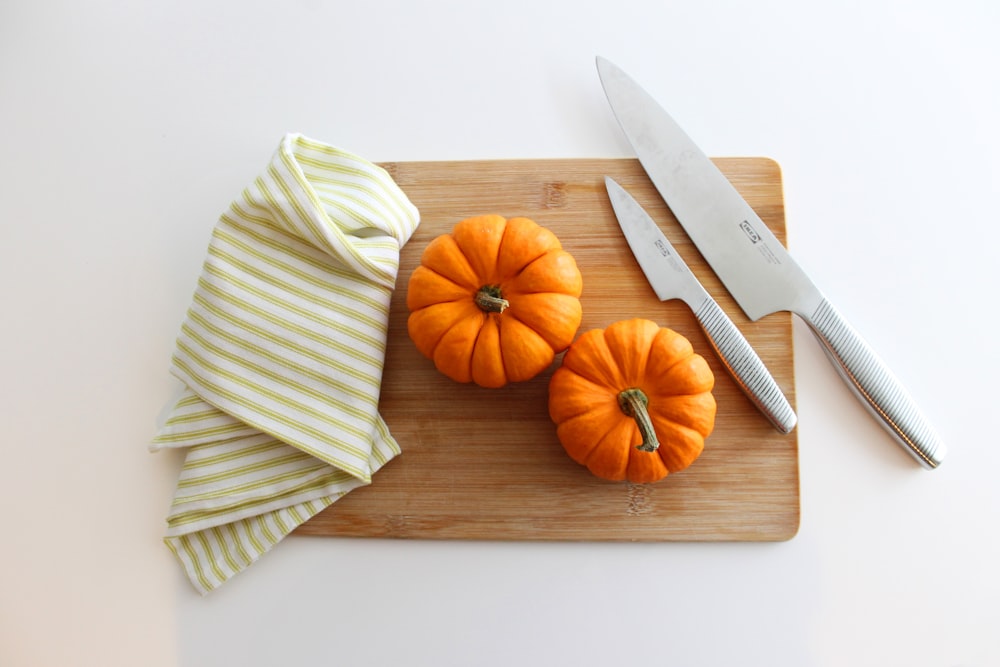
[671,278]
[752,263]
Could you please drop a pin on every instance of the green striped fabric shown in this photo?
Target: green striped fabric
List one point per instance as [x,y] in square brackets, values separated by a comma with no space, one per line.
[281,357]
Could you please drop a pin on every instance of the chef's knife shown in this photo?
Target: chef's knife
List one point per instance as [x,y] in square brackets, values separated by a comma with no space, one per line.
[671,278]
[752,263]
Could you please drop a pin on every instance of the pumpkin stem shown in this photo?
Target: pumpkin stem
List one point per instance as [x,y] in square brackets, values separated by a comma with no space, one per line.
[490,299]
[633,402]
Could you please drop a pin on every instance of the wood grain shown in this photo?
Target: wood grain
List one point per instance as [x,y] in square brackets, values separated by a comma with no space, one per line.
[486,464]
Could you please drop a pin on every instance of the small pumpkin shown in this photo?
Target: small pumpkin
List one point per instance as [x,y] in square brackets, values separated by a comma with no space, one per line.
[632,401]
[494,301]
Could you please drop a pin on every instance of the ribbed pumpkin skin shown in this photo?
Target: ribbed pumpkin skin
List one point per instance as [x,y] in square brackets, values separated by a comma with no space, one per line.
[526,266]
[590,423]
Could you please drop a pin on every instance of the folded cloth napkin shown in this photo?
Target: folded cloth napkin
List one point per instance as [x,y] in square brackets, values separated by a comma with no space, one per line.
[281,357]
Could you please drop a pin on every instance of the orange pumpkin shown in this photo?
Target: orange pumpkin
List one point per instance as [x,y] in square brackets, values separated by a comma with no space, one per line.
[494,301]
[633,401]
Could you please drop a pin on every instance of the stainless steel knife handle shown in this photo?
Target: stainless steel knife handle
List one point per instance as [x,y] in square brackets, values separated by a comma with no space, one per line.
[745,366]
[876,386]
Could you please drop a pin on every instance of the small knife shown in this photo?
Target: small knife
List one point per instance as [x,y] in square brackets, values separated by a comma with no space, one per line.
[752,263]
[671,278]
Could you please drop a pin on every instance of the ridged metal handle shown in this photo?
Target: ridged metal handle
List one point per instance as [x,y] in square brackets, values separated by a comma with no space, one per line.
[745,366]
[876,386]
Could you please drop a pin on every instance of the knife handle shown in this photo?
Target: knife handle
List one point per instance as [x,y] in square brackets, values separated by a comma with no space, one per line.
[742,362]
[876,386]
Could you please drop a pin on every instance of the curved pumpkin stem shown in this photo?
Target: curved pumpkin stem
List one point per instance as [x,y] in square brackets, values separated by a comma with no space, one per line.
[490,299]
[633,402]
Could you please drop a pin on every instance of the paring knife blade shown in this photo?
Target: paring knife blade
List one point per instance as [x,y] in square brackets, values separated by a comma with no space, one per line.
[752,263]
[671,278]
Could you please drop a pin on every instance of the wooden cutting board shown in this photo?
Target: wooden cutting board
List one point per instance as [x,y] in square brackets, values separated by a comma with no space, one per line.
[486,464]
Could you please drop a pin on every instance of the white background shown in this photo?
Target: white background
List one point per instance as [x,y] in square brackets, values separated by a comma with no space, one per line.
[129,126]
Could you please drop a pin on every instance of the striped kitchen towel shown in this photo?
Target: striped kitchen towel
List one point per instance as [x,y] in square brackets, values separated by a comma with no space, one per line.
[281,356]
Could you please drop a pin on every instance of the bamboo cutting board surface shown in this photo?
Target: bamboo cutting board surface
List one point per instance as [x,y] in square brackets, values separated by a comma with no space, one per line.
[486,463]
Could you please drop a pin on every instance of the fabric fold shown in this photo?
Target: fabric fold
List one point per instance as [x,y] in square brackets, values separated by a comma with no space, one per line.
[281,354]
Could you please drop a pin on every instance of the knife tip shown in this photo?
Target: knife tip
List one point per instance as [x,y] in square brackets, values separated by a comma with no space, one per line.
[611,184]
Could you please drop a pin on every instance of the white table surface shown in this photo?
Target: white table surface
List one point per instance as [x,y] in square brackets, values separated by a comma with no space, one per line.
[128,127]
